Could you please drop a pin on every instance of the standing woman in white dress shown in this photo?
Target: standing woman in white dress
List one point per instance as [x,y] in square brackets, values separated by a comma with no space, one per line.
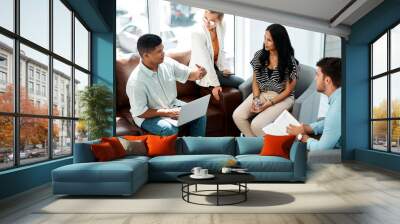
[208,51]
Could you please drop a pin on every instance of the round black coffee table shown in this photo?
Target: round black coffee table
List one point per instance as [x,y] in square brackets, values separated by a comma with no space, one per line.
[238,179]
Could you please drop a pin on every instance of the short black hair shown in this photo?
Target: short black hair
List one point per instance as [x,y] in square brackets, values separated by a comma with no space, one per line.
[332,67]
[147,43]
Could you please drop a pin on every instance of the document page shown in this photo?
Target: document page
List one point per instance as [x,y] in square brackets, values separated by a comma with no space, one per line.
[278,127]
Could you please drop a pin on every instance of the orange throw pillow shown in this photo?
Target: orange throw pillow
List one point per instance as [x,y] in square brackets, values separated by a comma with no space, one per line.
[103,152]
[135,137]
[277,145]
[116,145]
[161,145]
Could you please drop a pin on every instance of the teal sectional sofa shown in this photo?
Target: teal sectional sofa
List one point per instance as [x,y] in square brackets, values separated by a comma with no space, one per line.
[125,176]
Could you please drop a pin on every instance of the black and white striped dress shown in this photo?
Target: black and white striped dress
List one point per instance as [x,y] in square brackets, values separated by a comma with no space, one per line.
[268,79]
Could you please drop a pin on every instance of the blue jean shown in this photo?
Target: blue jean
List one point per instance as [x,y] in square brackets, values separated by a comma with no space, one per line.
[159,126]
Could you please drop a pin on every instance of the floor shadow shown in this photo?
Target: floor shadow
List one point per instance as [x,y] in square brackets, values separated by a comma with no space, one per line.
[148,191]
[255,198]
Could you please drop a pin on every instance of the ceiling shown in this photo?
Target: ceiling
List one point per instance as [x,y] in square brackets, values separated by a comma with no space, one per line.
[328,16]
[319,9]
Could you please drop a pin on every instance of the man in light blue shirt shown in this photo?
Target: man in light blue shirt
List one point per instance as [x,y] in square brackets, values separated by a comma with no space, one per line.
[151,89]
[328,81]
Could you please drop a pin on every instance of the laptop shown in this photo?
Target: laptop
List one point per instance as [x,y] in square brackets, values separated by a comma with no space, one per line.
[191,111]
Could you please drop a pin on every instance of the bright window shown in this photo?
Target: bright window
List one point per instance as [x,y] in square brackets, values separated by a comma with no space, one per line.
[46,129]
[385,97]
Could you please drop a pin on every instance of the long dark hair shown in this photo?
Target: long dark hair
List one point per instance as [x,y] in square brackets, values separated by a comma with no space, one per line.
[284,48]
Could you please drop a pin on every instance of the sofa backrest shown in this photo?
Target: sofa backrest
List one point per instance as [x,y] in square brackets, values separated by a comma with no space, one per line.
[205,145]
[124,68]
[184,146]
[306,107]
[249,145]
[306,77]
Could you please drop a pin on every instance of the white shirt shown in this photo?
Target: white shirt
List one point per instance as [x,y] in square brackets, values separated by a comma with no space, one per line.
[203,54]
[147,89]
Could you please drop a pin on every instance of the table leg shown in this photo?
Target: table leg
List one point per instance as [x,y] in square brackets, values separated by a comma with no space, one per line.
[196,188]
[245,192]
[182,190]
[217,194]
[188,190]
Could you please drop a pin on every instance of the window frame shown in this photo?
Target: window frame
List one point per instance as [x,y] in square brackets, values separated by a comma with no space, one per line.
[16,114]
[388,74]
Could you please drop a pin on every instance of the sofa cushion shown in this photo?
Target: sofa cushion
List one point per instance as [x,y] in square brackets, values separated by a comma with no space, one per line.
[257,163]
[185,163]
[103,152]
[116,145]
[93,172]
[249,145]
[135,137]
[161,145]
[277,145]
[131,158]
[206,145]
[134,147]
[112,171]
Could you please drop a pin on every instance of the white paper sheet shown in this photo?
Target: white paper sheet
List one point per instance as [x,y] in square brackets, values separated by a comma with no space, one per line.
[278,127]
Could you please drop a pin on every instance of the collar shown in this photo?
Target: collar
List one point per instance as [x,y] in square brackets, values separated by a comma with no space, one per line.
[335,95]
[146,70]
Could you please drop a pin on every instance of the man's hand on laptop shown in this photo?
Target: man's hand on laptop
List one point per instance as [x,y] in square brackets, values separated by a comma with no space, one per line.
[172,113]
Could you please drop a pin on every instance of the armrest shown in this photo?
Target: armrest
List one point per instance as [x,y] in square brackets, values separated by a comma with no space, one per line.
[83,152]
[325,156]
[246,88]
[230,99]
[298,155]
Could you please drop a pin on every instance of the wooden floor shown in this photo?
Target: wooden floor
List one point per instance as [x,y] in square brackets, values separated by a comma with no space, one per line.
[377,188]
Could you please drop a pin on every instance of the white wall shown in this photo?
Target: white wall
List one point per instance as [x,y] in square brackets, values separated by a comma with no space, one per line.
[308,45]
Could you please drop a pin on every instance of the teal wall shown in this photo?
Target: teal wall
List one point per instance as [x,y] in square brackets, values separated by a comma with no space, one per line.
[24,178]
[103,64]
[356,85]
[99,16]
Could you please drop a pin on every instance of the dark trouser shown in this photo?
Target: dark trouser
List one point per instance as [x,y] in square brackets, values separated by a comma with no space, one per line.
[230,80]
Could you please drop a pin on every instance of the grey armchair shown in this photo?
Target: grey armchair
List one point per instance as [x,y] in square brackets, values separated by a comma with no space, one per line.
[307,99]
[305,109]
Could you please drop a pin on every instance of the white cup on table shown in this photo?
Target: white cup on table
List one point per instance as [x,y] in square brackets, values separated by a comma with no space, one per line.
[196,171]
[203,172]
[226,170]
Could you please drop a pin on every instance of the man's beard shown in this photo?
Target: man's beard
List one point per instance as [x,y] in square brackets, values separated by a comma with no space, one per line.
[321,88]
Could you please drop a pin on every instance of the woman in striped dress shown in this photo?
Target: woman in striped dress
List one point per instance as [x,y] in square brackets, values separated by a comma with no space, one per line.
[275,72]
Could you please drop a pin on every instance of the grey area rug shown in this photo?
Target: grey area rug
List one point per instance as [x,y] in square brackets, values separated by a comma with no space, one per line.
[166,198]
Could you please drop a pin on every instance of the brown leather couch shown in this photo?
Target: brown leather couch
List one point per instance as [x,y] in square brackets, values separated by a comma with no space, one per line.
[219,113]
